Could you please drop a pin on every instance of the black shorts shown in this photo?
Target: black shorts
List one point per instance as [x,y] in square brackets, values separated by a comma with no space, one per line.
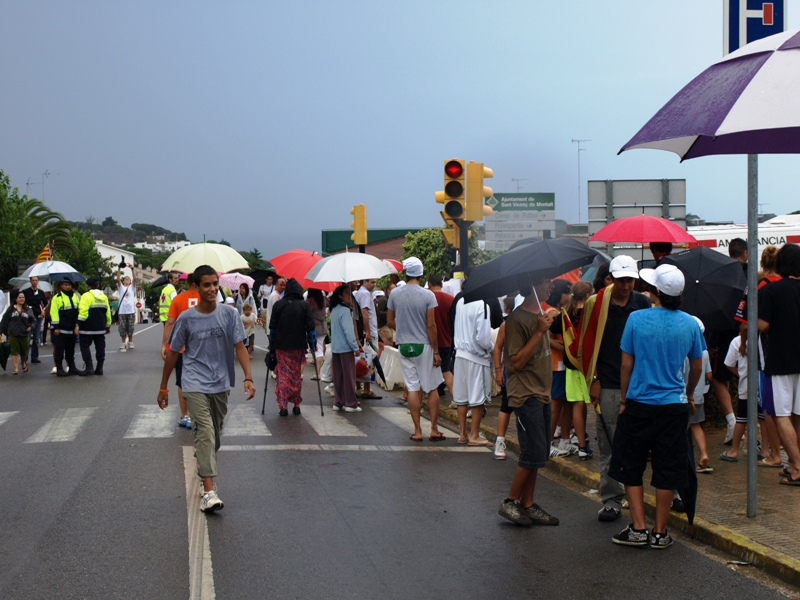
[179,370]
[533,431]
[504,407]
[446,354]
[721,373]
[741,411]
[658,429]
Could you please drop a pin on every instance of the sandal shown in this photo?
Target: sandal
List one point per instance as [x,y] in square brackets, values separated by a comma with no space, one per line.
[437,438]
[704,469]
[371,396]
[724,456]
[789,480]
[25,368]
[16,372]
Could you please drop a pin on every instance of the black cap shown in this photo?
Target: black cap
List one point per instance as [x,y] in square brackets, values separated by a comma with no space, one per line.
[93,282]
[66,279]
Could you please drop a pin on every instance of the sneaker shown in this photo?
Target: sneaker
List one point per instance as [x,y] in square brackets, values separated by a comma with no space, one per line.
[677,506]
[337,408]
[500,449]
[513,511]
[351,409]
[631,537]
[122,348]
[185,422]
[200,483]
[570,448]
[660,541]
[210,502]
[329,390]
[557,434]
[130,346]
[608,514]
[469,413]
[539,516]
[54,371]
[584,454]
[556,452]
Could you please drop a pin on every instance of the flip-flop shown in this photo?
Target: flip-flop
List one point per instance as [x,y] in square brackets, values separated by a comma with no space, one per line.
[438,438]
[763,463]
[24,368]
[724,456]
[483,443]
[789,480]
[464,443]
[413,439]
[704,469]
[372,396]
[16,373]
[314,378]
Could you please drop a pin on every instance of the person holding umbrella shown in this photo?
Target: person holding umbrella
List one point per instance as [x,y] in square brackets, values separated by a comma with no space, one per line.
[654,406]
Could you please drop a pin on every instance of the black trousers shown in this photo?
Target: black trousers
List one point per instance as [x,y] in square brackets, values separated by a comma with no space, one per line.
[64,346]
[99,340]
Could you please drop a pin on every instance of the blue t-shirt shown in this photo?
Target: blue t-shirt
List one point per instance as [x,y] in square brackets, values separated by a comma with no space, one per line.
[208,342]
[660,340]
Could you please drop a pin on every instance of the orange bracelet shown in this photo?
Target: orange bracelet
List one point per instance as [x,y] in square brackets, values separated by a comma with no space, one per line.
[164,391]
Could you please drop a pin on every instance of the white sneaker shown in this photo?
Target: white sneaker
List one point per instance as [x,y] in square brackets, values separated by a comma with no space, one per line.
[122,348]
[556,452]
[500,449]
[570,448]
[130,346]
[337,408]
[210,502]
[351,409]
[54,371]
[557,434]
[200,483]
[329,390]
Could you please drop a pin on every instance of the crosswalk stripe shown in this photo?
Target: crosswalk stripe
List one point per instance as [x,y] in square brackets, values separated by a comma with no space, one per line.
[152,422]
[244,421]
[399,417]
[5,416]
[332,424]
[64,427]
[353,447]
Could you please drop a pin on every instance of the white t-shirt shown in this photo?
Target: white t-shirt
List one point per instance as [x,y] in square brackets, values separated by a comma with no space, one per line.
[263,294]
[249,323]
[735,359]
[364,299]
[702,385]
[127,304]
[452,286]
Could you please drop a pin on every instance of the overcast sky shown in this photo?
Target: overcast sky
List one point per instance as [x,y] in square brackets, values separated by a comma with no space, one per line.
[264,122]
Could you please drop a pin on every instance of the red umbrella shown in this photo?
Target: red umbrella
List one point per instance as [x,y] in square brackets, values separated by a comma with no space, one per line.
[396,264]
[296,263]
[643,229]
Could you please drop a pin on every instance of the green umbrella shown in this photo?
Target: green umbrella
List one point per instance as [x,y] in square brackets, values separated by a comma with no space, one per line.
[5,352]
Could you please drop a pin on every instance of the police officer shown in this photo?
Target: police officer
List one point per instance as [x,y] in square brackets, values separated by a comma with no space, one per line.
[168,293]
[64,320]
[94,322]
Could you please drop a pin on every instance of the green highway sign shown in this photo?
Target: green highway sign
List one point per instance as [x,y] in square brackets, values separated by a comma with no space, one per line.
[521,201]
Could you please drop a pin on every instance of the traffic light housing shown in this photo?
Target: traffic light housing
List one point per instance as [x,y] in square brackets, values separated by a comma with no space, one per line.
[452,232]
[476,210]
[359,224]
[453,196]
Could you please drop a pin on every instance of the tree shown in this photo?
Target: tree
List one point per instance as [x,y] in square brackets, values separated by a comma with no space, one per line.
[109,222]
[84,258]
[429,246]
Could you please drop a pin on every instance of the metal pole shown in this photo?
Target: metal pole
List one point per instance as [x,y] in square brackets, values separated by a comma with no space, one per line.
[752,334]
[362,248]
[463,230]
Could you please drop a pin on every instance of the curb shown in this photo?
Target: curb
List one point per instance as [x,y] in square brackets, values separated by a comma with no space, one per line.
[722,538]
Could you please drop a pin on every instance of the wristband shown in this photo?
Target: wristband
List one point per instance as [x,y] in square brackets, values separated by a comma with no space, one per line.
[163,391]
[250,380]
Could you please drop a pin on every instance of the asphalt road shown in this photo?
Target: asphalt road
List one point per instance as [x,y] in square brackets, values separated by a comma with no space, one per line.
[95,506]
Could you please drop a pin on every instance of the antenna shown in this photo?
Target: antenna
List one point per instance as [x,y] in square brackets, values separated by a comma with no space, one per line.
[579,142]
[516,180]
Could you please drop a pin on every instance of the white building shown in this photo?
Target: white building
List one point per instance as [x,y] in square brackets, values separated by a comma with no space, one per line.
[162,247]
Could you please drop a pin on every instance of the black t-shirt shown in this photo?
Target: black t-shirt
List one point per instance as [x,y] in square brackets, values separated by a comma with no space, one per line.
[609,360]
[779,305]
[36,300]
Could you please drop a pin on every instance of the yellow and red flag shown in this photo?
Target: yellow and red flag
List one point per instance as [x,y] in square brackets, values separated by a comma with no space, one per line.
[45,255]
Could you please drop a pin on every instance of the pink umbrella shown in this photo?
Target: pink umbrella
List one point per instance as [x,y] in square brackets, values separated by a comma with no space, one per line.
[643,229]
[234,280]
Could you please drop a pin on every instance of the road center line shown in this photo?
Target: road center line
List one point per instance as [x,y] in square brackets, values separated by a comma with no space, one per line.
[201,572]
[353,447]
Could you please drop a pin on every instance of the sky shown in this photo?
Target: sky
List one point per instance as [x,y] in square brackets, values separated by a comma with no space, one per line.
[265,122]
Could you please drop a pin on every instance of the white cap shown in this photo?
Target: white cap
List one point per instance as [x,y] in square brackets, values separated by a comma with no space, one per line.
[413,267]
[400,283]
[623,266]
[377,294]
[668,279]
[229,300]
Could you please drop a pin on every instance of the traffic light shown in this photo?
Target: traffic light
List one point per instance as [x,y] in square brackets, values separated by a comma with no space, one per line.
[476,191]
[452,232]
[359,224]
[453,194]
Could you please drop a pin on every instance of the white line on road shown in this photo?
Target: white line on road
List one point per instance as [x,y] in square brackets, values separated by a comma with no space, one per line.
[152,422]
[201,572]
[5,416]
[146,328]
[245,421]
[354,447]
[332,425]
[64,427]
[399,417]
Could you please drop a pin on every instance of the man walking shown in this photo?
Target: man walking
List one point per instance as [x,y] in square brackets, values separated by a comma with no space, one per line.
[410,314]
[168,293]
[210,333]
[94,322]
[529,378]
[126,288]
[444,329]
[35,298]
[64,317]
[654,409]
[600,357]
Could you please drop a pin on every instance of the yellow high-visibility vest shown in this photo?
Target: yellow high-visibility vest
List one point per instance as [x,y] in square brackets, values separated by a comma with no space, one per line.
[165,302]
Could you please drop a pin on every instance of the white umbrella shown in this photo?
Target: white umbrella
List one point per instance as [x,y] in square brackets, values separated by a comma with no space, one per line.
[43,285]
[220,257]
[52,270]
[349,266]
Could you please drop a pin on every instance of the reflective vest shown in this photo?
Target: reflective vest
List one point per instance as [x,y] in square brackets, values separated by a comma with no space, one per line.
[166,301]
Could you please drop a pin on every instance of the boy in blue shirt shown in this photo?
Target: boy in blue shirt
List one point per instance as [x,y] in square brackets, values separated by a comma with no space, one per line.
[654,411]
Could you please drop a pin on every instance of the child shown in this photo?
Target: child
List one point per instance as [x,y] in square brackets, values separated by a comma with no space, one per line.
[249,321]
[699,415]
[737,364]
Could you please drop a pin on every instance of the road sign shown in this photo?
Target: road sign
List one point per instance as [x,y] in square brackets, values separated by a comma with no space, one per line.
[746,21]
[138,305]
[519,216]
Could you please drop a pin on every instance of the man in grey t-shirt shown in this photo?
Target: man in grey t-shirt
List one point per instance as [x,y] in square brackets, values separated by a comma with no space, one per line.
[411,314]
[208,333]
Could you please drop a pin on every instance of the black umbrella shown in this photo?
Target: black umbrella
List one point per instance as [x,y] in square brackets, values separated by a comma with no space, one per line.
[377,364]
[160,281]
[688,494]
[545,258]
[714,287]
[5,352]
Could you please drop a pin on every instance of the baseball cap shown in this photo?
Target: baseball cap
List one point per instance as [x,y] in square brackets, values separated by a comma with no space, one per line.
[92,281]
[623,266]
[668,279]
[66,279]
[413,267]
[378,294]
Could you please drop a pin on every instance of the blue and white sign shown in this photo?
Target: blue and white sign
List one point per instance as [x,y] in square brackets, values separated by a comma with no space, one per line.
[750,20]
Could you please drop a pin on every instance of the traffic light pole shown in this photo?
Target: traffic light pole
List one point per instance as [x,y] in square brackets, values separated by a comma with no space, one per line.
[362,248]
[463,251]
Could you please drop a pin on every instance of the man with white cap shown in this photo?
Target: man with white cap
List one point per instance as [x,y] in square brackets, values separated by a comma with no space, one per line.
[410,312]
[600,357]
[654,409]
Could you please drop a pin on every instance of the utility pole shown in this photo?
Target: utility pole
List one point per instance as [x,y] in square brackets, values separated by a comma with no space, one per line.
[515,180]
[579,142]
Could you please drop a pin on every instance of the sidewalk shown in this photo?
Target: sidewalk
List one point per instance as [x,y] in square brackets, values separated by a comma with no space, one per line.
[770,541]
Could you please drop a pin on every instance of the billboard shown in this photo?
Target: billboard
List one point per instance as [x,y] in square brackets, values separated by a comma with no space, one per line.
[519,216]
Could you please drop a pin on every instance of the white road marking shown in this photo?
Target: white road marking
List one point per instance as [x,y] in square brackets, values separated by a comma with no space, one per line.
[64,427]
[355,447]
[152,422]
[400,417]
[146,328]
[201,572]
[5,416]
[244,420]
[332,424]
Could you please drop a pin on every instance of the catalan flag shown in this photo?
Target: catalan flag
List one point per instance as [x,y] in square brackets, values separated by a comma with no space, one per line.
[45,255]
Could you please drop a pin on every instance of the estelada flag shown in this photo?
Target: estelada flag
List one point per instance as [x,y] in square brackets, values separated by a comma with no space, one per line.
[45,255]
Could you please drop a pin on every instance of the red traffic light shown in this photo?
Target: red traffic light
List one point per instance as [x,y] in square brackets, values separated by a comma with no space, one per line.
[454,169]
